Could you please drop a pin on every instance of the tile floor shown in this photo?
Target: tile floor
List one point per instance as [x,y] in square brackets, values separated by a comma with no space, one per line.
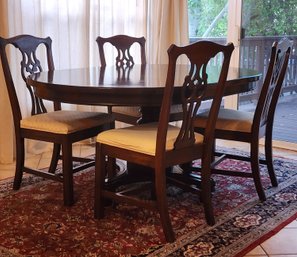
[283,244]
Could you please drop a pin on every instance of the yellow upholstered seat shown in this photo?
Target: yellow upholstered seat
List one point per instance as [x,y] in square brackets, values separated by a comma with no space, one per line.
[141,138]
[65,122]
[228,119]
[129,110]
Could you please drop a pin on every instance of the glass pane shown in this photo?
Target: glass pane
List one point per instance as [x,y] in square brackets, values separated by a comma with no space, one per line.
[264,22]
[208,20]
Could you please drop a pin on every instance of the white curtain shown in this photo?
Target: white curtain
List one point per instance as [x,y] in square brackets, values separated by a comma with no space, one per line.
[6,127]
[167,24]
[73,26]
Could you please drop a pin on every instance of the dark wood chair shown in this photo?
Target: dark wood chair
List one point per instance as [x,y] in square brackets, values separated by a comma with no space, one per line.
[62,128]
[160,145]
[250,127]
[124,61]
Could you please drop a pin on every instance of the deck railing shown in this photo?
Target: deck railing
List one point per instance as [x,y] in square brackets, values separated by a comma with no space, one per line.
[255,53]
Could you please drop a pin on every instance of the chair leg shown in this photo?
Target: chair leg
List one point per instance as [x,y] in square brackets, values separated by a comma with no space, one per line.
[206,194]
[111,167]
[256,171]
[269,159]
[67,174]
[162,205]
[20,161]
[100,173]
[55,158]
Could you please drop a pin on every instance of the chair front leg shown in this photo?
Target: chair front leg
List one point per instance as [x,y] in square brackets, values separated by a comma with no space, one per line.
[100,174]
[206,191]
[67,173]
[162,204]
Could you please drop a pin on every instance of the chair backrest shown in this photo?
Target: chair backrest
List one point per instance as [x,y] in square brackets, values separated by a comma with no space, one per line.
[30,64]
[122,43]
[272,84]
[193,90]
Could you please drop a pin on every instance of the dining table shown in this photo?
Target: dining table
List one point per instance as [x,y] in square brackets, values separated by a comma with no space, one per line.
[139,85]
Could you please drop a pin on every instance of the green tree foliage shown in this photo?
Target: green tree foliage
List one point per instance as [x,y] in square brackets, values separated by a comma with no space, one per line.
[260,17]
[201,15]
[270,17]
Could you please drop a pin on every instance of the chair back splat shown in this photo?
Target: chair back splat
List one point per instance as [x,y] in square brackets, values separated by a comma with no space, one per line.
[159,145]
[122,43]
[29,64]
[193,89]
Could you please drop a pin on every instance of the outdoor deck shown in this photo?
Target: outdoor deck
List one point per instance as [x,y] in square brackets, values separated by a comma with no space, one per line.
[285,122]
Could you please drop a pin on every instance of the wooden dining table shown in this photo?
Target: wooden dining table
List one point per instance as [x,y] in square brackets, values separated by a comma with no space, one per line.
[140,85]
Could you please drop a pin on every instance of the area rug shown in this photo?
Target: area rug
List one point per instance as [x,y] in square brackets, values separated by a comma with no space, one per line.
[34,222]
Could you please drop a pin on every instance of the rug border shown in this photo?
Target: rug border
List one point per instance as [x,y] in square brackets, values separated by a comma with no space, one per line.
[164,251]
[266,236]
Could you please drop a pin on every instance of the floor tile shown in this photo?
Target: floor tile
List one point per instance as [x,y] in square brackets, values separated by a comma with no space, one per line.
[292,224]
[282,255]
[257,255]
[256,252]
[9,173]
[33,161]
[284,242]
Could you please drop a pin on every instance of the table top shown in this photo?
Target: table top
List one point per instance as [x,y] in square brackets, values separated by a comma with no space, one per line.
[140,85]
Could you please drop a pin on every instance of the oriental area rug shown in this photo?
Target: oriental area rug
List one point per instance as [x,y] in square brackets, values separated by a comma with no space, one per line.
[34,222]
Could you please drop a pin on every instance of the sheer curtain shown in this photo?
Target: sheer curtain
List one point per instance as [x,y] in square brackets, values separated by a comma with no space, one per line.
[167,24]
[6,128]
[74,25]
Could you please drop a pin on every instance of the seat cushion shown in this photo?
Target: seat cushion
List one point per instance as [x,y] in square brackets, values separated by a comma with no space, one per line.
[127,110]
[135,110]
[228,119]
[140,138]
[65,122]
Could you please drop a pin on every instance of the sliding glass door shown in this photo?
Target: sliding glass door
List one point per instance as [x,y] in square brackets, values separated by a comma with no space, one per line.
[252,26]
[264,22]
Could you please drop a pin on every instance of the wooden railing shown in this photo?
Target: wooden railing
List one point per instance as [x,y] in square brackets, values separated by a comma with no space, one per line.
[255,53]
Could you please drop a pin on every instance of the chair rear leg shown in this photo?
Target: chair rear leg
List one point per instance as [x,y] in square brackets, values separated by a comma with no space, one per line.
[269,159]
[67,173]
[162,205]
[20,161]
[55,158]
[256,171]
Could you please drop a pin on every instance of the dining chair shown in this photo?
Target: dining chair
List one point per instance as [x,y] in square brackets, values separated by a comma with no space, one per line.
[60,127]
[124,61]
[249,127]
[160,145]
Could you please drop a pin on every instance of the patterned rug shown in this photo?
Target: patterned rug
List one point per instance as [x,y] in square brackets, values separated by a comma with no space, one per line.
[34,221]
